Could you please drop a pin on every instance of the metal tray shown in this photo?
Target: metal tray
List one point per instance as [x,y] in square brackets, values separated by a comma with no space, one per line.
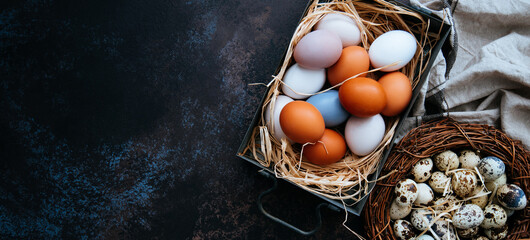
[436,26]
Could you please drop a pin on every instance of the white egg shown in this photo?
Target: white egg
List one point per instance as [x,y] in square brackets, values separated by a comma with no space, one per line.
[273,120]
[404,230]
[468,216]
[300,83]
[343,26]
[406,192]
[363,135]
[421,218]
[425,194]
[399,212]
[439,182]
[468,159]
[422,170]
[494,217]
[395,46]
[495,184]
[447,160]
[497,233]
[464,182]
[491,168]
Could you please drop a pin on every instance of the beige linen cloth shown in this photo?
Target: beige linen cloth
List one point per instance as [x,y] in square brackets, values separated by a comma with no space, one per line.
[485,78]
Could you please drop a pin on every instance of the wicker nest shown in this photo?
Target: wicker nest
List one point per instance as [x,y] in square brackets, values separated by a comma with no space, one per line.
[435,137]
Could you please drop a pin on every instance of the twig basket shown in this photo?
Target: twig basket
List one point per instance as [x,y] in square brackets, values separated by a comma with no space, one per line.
[437,136]
[348,179]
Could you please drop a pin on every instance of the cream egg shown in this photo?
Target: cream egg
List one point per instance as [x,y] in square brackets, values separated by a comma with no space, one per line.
[422,170]
[439,182]
[398,211]
[464,183]
[446,160]
[406,192]
[494,217]
[425,194]
[404,230]
[468,216]
[468,159]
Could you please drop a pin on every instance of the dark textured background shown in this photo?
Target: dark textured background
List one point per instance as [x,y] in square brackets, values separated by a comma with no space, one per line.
[121,119]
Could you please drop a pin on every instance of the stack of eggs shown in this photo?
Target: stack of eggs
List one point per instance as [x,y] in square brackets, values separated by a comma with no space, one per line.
[331,52]
[464,195]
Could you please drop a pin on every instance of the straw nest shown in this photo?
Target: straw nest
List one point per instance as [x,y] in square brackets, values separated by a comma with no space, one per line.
[437,136]
[345,180]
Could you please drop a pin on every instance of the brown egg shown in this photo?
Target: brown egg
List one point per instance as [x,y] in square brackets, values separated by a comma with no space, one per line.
[362,97]
[398,92]
[302,122]
[329,149]
[352,61]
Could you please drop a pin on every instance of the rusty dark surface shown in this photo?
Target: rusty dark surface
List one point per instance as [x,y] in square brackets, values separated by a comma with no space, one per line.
[121,120]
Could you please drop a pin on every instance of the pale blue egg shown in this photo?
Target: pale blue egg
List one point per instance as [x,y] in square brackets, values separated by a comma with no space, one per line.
[328,104]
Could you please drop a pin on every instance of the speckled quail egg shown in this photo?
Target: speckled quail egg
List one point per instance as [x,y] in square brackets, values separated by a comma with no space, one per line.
[439,182]
[404,230]
[491,168]
[497,233]
[445,203]
[421,218]
[468,216]
[492,185]
[467,233]
[425,237]
[511,196]
[406,192]
[446,160]
[468,159]
[399,212]
[494,217]
[422,170]
[425,194]
[444,229]
[481,238]
[480,201]
[464,183]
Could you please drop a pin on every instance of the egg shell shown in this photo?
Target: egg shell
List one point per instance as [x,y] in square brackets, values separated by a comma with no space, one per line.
[421,218]
[509,212]
[494,217]
[300,83]
[328,104]
[422,170]
[444,229]
[445,203]
[362,97]
[399,212]
[481,201]
[302,122]
[343,26]
[495,184]
[272,116]
[464,183]
[497,233]
[398,92]
[468,216]
[406,192]
[491,168]
[390,47]
[425,237]
[511,196]
[353,60]
[425,194]
[404,230]
[467,233]
[363,135]
[446,160]
[439,181]
[318,49]
[468,159]
[330,148]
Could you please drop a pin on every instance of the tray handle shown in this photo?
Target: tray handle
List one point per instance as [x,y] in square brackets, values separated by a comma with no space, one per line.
[284,223]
